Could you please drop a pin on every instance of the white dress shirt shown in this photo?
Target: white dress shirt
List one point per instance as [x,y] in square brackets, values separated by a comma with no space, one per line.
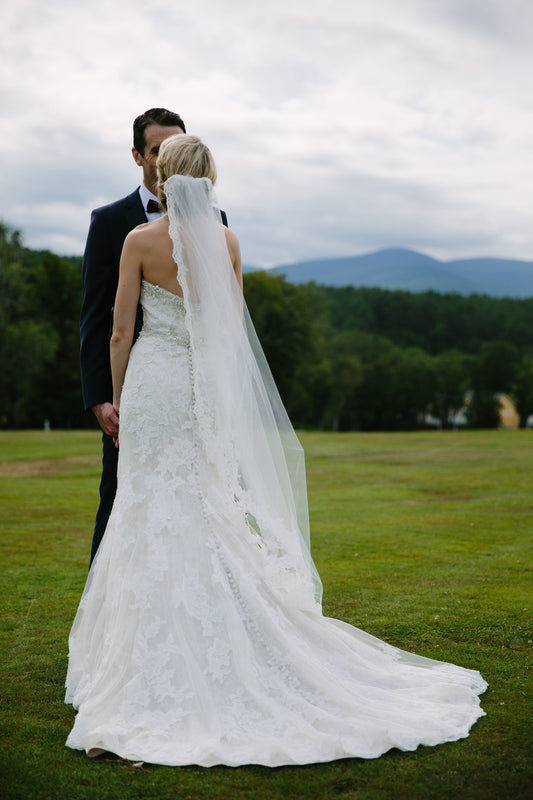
[146,195]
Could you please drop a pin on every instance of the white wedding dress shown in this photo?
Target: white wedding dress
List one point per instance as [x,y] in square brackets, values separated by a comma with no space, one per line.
[187,650]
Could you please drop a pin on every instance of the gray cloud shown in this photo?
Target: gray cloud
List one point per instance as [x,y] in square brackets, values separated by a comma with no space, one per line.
[336,130]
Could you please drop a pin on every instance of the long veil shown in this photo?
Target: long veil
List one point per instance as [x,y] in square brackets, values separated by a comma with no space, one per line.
[246,446]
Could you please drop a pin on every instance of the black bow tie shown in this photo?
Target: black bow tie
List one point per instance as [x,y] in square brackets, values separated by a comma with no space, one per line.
[153,207]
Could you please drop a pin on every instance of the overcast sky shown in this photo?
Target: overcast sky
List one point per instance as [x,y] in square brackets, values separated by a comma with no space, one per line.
[338,128]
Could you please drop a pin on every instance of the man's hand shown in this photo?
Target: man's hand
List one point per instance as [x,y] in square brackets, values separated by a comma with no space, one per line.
[107,418]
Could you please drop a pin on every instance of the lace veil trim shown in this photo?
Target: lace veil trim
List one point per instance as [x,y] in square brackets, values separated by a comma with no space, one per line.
[242,428]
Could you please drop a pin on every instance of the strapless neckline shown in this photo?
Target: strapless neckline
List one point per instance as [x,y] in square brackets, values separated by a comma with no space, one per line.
[155,288]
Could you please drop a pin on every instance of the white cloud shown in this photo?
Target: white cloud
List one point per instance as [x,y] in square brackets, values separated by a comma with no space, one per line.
[336,129]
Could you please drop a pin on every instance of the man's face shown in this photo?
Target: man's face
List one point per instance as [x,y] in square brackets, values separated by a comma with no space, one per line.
[154,135]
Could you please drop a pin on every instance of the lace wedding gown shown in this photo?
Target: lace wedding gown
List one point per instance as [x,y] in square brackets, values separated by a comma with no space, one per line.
[184,652]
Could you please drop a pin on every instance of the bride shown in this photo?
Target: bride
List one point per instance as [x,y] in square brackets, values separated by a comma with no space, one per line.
[199,638]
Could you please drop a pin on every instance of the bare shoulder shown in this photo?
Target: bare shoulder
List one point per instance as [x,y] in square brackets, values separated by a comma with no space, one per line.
[137,235]
[232,241]
[142,235]
[234,250]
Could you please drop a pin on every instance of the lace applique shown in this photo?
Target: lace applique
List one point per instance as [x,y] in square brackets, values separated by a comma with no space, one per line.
[191,645]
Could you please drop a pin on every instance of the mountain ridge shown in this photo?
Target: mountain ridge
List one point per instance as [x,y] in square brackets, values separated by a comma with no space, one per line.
[411,270]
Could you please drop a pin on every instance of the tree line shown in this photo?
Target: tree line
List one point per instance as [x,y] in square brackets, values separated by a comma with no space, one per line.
[373,359]
[343,358]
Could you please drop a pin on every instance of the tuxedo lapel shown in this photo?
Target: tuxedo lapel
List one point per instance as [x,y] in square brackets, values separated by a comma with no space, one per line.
[133,210]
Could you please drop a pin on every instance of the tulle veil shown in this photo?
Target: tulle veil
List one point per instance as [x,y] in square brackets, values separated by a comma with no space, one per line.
[246,444]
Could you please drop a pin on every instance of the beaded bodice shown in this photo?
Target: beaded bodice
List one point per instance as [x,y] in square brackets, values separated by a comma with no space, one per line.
[163,313]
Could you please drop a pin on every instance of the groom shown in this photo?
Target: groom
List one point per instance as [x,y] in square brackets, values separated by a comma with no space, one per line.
[109,227]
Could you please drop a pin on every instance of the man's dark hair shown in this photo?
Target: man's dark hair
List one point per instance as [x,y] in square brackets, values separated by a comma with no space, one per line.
[154,116]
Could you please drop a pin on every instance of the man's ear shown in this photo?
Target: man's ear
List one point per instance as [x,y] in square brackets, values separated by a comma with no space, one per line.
[137,157]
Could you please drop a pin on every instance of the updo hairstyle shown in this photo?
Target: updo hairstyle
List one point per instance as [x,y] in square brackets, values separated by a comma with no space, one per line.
[183,154]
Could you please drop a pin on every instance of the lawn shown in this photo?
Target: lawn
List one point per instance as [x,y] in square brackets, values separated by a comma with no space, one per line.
[422,539]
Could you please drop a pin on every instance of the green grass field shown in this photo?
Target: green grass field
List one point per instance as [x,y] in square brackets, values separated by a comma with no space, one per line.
[424,540]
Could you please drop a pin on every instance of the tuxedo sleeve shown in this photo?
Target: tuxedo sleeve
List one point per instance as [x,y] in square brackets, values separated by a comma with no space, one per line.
[99,287]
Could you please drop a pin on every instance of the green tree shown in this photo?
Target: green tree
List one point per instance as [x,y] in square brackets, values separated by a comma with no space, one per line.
[27,351]
[522,390]
[494,372]
[282,315]
[340,376]
[57,290]
[27,345]
[374,399]
[483,409]
[496,367]
[39,341]
[413,380]
[453,379]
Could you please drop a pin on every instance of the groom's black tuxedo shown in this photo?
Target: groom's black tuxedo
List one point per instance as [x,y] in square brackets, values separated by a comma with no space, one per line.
[109,227]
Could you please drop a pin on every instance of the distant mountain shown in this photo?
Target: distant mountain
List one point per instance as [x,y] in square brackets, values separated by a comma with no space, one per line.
[415,272]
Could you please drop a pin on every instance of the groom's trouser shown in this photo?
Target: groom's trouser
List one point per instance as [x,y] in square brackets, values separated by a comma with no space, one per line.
[108,489]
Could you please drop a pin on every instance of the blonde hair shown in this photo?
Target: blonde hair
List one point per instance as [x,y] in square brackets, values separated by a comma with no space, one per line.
[183,154]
